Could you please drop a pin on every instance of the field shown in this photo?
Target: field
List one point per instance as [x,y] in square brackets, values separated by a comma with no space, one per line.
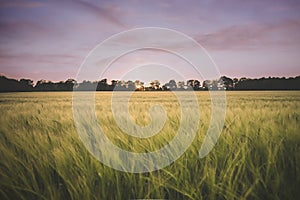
[256,157]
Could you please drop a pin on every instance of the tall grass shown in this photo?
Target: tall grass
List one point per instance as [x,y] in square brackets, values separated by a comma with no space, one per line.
[256,157]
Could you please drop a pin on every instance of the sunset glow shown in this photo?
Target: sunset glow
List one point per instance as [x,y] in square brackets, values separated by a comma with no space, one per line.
[50,39]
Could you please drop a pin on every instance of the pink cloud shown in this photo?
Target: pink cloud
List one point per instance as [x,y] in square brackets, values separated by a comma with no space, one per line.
[252,36]
[41,58]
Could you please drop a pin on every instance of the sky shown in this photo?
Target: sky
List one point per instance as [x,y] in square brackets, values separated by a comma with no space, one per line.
[51,39]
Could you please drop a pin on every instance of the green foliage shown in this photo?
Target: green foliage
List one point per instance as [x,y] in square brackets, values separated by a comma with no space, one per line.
[256,157]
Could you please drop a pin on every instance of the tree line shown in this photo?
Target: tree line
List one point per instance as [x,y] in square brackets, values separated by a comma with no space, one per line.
[223,83]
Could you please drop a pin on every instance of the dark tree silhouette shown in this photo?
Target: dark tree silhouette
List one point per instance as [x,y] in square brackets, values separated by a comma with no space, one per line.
[226,82]
[113,84]
[172,85]
[206,84]
[194,84]
[154,85]
[12,85]
[180,85]
[102,85]
[270,83]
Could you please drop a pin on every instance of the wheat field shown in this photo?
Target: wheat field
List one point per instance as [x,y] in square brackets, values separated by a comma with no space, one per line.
[256,157]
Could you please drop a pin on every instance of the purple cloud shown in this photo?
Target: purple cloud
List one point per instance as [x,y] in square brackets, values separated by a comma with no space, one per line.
[49,39]
[20,3]
[253,36]
[110,13]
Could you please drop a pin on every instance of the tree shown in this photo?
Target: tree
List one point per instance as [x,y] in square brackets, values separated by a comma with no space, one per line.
[270,83]
[197,85]
[120,85]
[211,85]
[194,84]
[26,84]
[87,86]
[113,85]
[166,87]
[190,83]
[172,85]
[102,85]
[180,85]
[9,85]
[226,82]
[69,84]
[206,84]
[155,85]
[41,85]
[130,85]
[139,86]
[235,81]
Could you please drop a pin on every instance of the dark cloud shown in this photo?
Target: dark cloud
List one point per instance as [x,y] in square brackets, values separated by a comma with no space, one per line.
[16,29]
[19,3]
[107,12]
